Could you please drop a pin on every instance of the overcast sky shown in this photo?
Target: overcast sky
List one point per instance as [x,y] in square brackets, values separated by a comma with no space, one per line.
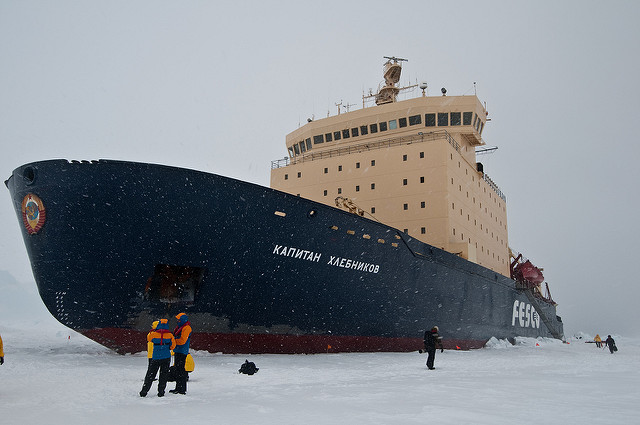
[216,86]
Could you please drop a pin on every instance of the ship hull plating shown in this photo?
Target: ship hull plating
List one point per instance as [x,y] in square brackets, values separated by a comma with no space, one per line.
[256,269]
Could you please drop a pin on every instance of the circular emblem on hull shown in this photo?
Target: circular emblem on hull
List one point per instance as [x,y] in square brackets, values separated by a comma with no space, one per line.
[33,213]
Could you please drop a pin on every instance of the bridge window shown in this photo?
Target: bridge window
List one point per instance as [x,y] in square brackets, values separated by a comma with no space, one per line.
[402,122]
[393,124]
[354,132]
[443,119]
[415,119]
[373,128]
[318,139]
[337,135]
[429,120]
[345,133]
[364,130]
[328,137]
[455,118]
[466,118]
[383,126]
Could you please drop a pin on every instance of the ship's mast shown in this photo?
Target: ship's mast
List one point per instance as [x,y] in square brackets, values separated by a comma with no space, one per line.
[389,92]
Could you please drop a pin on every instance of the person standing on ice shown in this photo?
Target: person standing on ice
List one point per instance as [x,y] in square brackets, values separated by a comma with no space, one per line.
[432,341]
[183,338]
[611,344]
[1,352]
[154,325]
[163,343]
[598,341]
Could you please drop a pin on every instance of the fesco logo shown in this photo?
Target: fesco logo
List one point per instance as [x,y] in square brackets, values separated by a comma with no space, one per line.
[526,315]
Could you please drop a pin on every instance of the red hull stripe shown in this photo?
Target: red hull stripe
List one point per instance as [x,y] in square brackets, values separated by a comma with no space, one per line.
[132,341]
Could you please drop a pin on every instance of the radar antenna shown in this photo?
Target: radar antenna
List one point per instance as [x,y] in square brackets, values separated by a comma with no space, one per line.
[389,92]
[395,59]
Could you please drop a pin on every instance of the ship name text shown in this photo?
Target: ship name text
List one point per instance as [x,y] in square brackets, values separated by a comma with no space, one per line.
[346,263]
[301,254]
[525,314]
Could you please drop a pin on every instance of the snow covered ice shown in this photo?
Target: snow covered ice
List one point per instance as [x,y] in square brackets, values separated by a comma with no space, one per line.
[53,375]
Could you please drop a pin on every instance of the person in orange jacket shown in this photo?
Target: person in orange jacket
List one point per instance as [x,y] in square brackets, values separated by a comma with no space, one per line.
[1,352]
[163,342]
[183,339]
[154,325]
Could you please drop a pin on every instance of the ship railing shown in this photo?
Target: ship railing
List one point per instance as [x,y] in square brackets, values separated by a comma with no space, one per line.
[494,186]
[367,146]
[280,163]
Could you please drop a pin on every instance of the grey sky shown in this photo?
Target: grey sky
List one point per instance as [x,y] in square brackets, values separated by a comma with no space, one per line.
[216,86]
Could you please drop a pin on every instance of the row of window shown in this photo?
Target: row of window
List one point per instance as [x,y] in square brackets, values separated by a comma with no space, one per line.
[423,231]
[482,250]
[440,119]
[373,164]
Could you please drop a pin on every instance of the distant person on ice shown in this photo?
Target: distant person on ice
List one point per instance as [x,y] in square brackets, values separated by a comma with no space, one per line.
[611,344]
[183,338]
[432,341]
[598,341]
[163,343]
[1,352]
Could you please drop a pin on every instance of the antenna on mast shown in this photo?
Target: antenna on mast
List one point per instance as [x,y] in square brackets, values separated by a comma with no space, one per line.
[395,59]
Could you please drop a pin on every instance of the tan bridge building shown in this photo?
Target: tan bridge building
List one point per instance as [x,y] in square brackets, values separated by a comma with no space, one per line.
[410,164]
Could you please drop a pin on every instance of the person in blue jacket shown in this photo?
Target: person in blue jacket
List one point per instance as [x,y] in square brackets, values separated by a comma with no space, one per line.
[163,342]
[183,338]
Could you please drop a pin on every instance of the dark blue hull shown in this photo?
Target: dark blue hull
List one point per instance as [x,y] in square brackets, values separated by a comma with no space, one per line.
[257,270]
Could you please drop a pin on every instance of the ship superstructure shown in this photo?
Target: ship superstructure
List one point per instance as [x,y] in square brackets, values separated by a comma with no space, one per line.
[410,164]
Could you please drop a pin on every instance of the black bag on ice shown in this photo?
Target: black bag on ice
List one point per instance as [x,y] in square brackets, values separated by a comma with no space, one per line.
[248,368]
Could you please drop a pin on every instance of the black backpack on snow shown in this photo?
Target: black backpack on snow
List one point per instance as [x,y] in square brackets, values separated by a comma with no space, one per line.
[248,368]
